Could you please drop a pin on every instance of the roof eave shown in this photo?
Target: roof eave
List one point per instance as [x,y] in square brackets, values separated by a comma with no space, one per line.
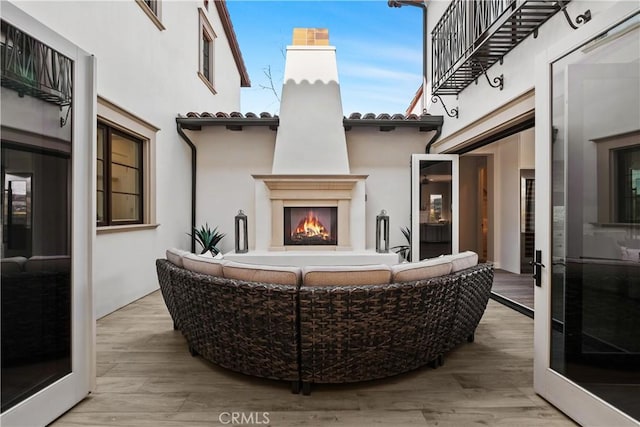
[223,12]
[424,124]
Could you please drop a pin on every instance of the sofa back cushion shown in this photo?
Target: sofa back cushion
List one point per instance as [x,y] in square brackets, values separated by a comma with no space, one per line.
[57,263]
[427,269]
[203,265]
[262,273]
[175,255]
[346,275]
[13,264]
[462,261]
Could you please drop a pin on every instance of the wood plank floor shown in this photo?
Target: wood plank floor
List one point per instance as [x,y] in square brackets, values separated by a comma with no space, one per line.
[516,287]
[146,377]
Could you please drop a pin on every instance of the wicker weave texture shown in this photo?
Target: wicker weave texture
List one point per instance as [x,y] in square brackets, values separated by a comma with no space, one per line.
[366,332]
[331,334]
[243,326]
[165,269]
[475,290]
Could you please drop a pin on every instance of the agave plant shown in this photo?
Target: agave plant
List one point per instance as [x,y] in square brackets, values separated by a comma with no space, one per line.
[404,250]
[207,238]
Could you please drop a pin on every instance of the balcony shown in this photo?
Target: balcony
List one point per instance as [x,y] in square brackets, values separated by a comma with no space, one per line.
[473,35]
[32,68]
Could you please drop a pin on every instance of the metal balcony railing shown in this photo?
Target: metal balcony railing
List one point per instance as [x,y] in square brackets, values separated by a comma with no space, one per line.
[472,35]
[32,68]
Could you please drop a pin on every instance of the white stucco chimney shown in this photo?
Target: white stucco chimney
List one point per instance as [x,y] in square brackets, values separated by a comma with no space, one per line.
[310,138]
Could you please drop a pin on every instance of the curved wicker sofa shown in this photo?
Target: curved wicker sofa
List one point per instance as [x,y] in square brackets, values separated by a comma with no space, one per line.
[324,334]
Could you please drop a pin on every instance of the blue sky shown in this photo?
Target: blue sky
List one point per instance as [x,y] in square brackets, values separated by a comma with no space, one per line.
[379,49]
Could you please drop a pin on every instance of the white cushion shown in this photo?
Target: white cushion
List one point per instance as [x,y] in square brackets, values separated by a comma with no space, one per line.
[346,275]
[13,264]
[57,263]
[262,273]
[462,261]
[422,270]
[203,265]
[174,255]
[630,254]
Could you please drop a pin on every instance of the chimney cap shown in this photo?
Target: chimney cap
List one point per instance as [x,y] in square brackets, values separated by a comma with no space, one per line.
[310,37]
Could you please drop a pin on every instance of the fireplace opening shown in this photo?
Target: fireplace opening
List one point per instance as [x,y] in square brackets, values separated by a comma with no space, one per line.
[311,226]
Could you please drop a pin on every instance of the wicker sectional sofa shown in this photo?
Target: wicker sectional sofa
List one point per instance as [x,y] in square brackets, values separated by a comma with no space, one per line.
[324,324]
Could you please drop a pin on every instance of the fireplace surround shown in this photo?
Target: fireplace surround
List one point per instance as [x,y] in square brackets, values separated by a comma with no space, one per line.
[341,194]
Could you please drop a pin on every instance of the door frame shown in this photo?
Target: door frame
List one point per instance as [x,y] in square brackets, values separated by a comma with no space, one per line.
[49,403]
[415,200]
[578,403]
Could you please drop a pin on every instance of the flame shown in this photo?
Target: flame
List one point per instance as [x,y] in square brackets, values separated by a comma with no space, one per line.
[310,226]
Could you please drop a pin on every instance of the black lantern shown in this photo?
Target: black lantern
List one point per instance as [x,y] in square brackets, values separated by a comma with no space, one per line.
[241,228]
[382,232]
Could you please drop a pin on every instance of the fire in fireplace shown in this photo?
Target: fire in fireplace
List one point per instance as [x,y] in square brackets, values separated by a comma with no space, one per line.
[310,226]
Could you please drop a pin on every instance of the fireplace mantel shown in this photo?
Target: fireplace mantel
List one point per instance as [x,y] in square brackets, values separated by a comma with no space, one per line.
[310,182]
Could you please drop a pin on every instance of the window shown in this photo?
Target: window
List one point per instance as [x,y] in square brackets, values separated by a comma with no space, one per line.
[126,175]
[119,185]
[627,163]
[153,5]
[206,56]
[153,9]
[207,42]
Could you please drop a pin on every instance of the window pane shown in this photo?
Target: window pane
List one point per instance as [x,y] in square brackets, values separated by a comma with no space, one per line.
[124,179]
[628,165]
[101,138]
[35,296]
[100,214]
[125,151]
[205,57]
[100,171]
[125,207]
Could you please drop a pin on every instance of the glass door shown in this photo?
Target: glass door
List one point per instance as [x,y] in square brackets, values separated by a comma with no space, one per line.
[587,324]
[434,205]
[48,129]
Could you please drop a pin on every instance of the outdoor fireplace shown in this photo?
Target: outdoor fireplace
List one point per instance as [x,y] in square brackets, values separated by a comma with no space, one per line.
[310,226]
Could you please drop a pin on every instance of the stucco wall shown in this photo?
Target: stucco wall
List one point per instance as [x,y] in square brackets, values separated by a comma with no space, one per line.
[227,159]
[518,67]
[153,75]
[386,158]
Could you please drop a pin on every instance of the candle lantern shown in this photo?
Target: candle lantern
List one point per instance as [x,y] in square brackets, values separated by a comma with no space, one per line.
[242,239]
[382,232]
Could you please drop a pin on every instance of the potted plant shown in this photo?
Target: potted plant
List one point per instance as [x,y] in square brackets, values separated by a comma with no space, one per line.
[404,250]
[208,238]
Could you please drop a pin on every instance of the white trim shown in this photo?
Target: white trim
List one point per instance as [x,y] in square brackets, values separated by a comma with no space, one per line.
[121,228]
[508,115]
[156,17]
[205,28]
[575,401]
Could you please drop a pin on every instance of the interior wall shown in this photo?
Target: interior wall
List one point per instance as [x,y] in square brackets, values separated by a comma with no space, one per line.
[505,160]
[469,203]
